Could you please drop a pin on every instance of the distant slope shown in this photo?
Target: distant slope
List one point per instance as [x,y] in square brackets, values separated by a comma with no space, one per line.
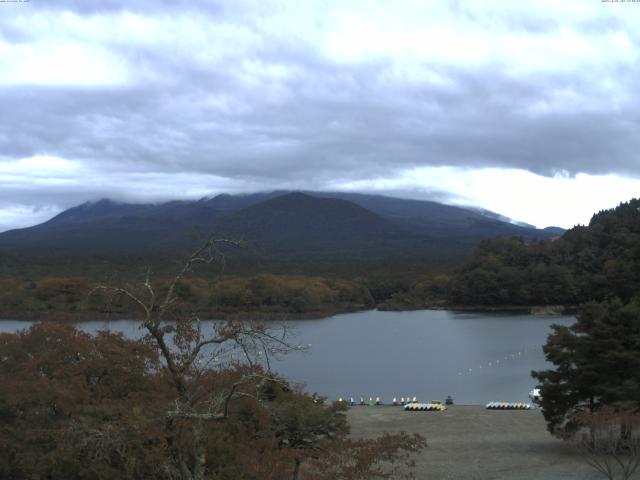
[296,223]
[280,224]
[439,220]
[107,226]
[420,216]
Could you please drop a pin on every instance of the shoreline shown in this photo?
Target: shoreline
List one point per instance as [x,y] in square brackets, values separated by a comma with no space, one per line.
[274,315]
[256,315]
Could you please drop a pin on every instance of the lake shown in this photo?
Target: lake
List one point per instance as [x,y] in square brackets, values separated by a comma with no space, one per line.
[474,357]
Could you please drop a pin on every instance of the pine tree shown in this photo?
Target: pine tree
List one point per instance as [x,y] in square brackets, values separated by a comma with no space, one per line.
[597,364]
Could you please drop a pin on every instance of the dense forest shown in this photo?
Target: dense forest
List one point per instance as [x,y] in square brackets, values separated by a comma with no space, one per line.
[261,296]
[586,263]
[59,287]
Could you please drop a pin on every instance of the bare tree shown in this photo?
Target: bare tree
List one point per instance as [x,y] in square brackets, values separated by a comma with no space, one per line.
[609,441]
[189,354]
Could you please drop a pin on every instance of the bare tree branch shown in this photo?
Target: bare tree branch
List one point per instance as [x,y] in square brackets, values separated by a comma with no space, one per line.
[182,343]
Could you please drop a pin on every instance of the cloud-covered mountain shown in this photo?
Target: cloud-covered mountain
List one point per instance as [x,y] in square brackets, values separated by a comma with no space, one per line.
[273,225]
[520,107]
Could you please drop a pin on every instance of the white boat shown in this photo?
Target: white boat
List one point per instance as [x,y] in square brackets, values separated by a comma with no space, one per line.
[535,396]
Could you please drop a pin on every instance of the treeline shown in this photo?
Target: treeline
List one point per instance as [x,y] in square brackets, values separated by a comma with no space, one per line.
[587,263]
[272,293]
[265,293]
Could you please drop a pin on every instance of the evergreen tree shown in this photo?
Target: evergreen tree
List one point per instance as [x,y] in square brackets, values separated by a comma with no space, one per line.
[597,364]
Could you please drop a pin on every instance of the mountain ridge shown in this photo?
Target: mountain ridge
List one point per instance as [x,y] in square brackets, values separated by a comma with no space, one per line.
[281,223]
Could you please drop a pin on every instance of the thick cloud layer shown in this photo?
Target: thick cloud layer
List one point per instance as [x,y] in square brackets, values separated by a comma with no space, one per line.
[154,99]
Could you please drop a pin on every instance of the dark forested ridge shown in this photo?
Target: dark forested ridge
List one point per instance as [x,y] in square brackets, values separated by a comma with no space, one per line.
[325,252]
[276,225]
[323,239]
[587,263]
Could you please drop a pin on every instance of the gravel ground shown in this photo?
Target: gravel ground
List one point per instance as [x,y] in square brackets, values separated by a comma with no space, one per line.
[470,442]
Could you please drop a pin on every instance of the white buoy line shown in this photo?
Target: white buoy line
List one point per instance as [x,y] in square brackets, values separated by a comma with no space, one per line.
[505,359]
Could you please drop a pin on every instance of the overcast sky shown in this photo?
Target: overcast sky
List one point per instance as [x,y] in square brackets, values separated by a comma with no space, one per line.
[529,109]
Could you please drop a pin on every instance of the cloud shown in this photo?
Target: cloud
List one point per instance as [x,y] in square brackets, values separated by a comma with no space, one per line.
[560,200]
[271,94]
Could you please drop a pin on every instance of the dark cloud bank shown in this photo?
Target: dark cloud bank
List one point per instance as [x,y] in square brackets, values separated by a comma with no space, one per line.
[270,109]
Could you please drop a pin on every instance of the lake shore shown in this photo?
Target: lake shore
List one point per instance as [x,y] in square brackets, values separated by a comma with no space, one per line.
[273,314]
[262,314]
[472,443]
[530,309]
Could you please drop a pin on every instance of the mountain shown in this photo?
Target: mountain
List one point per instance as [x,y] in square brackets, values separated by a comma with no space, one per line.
[275,224]
[297,217]
[439,220]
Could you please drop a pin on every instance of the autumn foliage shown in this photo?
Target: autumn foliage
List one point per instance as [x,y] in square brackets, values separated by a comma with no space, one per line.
[263,295]
[76,406]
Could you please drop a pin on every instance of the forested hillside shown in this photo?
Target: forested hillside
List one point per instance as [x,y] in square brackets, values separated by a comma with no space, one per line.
[587,263]
[281,226]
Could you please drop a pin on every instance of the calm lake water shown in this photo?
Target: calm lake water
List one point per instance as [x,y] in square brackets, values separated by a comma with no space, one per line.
[474,357]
